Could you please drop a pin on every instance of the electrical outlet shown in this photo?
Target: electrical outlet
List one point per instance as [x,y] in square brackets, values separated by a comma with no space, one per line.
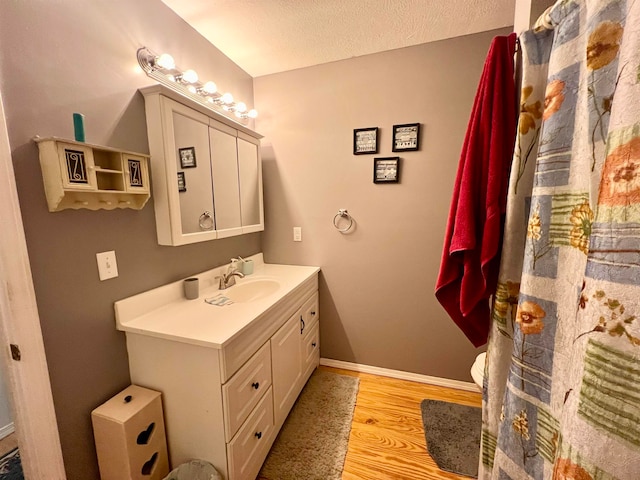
[107,266]
[297,234]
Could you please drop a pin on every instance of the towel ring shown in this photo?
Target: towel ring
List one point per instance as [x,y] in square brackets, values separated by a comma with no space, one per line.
[342,213]
[206,221]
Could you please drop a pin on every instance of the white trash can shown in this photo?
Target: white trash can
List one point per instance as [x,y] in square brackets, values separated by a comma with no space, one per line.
[194,470]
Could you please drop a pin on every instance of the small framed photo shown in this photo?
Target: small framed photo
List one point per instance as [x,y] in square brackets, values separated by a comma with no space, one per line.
[386,170]
[406,137]
[365,140]
[182,183]
[187,157]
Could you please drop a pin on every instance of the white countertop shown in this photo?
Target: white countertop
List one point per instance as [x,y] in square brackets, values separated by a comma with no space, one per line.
[164,312]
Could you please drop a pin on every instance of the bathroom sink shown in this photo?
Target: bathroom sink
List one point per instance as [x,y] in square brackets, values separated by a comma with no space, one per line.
[252,290]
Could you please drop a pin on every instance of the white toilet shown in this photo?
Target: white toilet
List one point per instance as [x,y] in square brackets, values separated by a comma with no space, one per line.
[477,369]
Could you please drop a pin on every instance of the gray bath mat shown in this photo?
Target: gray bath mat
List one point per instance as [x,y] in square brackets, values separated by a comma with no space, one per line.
[312,444]
[452,432]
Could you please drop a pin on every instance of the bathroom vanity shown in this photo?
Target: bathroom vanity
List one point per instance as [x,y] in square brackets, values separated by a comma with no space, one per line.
[230,373]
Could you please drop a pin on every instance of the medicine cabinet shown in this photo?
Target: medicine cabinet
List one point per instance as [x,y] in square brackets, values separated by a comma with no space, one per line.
[206,170]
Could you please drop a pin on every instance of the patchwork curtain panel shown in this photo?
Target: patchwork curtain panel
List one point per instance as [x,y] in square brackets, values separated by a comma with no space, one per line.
[562,380]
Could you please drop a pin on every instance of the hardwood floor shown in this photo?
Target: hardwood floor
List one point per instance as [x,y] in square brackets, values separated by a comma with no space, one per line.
[387,438]
[8,443]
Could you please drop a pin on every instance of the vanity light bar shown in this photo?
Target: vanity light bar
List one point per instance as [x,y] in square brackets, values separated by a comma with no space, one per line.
[163,69]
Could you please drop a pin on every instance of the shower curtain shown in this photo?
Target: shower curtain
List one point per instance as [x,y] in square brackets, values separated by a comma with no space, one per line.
[562,380]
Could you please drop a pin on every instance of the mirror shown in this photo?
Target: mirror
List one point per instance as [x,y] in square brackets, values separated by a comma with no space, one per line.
[250,174]
[224,162]
[191,140]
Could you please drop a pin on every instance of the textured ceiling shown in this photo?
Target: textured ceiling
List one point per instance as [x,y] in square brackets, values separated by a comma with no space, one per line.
[270,36]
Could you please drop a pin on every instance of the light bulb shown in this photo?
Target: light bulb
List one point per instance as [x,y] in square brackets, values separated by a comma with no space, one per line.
[241,107]
[253,113]
[192,89]
[165,61]
[227,98]
[210,87]
[190,76]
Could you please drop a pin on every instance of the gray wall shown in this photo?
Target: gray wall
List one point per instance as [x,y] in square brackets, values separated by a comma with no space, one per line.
[65,56]
[376,298]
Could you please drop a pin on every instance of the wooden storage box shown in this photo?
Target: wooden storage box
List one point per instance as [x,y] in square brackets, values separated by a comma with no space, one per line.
[130,436]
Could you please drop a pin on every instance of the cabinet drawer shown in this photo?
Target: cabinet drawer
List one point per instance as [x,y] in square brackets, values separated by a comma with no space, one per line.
[250,446]
[310,314]
[243,391]
[311,351]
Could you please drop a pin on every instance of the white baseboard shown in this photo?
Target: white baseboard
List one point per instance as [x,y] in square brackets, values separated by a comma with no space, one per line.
[7,430]
[413,377]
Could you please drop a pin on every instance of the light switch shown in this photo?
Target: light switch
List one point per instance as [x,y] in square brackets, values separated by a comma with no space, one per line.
[297,234]
[107,266]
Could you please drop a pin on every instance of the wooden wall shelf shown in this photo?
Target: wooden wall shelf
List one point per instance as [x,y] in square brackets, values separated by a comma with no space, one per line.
[81,175]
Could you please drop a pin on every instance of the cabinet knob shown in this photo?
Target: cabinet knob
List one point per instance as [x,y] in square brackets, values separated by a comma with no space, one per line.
[258,435]
[313,344]
[255,385]
[313,312]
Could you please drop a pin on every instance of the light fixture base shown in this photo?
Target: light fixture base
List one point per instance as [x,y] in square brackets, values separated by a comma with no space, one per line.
[174,79]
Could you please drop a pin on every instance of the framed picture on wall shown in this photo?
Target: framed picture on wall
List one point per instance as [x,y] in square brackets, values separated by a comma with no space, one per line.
[187,157]
[406,137]
[386,170]
[182,183]
[365,140]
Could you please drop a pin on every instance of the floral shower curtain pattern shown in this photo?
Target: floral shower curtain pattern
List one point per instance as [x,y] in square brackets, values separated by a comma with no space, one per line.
[562,379]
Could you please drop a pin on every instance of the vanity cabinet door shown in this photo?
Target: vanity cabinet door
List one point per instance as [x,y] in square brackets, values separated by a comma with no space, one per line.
[286,366]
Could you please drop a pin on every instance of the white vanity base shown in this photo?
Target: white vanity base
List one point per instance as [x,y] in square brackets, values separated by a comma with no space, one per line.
[225,402]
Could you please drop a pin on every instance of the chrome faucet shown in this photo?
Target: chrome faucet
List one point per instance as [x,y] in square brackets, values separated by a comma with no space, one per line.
[229,279]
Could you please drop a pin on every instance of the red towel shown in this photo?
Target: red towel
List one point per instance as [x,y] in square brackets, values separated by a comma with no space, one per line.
[471,252]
